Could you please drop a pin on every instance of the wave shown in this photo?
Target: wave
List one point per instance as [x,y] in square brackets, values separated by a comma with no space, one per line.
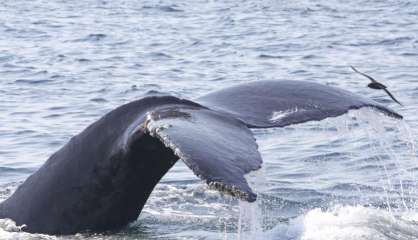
[340,222]
[348,223]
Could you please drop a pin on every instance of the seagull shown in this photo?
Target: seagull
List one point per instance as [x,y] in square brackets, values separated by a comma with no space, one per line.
[376,85]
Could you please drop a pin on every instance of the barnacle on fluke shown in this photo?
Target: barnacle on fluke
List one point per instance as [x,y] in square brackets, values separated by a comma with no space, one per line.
[233,191]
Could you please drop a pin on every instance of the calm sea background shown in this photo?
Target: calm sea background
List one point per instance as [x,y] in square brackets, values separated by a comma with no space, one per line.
[63,64]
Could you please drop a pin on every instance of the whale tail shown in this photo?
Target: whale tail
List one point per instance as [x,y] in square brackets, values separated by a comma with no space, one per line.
[102,178]
[214,141]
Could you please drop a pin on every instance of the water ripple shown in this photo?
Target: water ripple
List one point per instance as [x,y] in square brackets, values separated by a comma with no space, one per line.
[63,64]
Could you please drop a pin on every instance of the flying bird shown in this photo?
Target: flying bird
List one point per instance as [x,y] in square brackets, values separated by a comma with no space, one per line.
[376,85]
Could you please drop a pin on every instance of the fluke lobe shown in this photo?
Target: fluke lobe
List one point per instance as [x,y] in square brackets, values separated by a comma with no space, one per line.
[101,179]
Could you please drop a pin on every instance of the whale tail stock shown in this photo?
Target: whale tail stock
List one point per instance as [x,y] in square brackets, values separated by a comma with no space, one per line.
[102,178]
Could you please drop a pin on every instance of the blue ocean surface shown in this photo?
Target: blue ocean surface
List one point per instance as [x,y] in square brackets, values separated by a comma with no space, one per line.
[64,64]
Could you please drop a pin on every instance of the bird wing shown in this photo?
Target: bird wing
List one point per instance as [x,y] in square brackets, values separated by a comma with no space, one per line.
[365,75]
[391,96]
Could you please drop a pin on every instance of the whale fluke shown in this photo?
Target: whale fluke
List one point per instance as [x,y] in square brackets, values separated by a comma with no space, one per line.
[219,149]
[264,104]
[101,179]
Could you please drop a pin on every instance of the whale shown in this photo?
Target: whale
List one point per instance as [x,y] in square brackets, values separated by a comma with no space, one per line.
[101,179]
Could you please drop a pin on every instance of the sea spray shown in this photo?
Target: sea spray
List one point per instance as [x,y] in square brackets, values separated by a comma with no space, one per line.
[352,222]
[388,144]
[10,231]
[251,217]
[393,145]
[409,138]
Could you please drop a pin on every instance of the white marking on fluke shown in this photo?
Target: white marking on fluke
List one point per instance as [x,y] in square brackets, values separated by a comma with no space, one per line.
[277,116]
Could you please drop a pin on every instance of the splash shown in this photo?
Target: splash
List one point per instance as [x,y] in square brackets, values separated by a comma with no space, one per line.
[10,231]
[346,223]
[372,141]
[392,144]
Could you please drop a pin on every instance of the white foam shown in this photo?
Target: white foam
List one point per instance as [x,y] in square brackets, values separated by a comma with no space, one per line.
[9,231]
[347,223]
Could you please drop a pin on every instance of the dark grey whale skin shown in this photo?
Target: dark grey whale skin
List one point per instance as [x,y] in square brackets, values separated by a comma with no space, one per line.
[254,102]
[101,179]
[92,183]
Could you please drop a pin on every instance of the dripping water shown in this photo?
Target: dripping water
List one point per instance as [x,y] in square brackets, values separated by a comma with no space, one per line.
[384,143]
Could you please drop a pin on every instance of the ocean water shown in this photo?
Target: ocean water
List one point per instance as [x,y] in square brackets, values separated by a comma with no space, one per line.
[63,64]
